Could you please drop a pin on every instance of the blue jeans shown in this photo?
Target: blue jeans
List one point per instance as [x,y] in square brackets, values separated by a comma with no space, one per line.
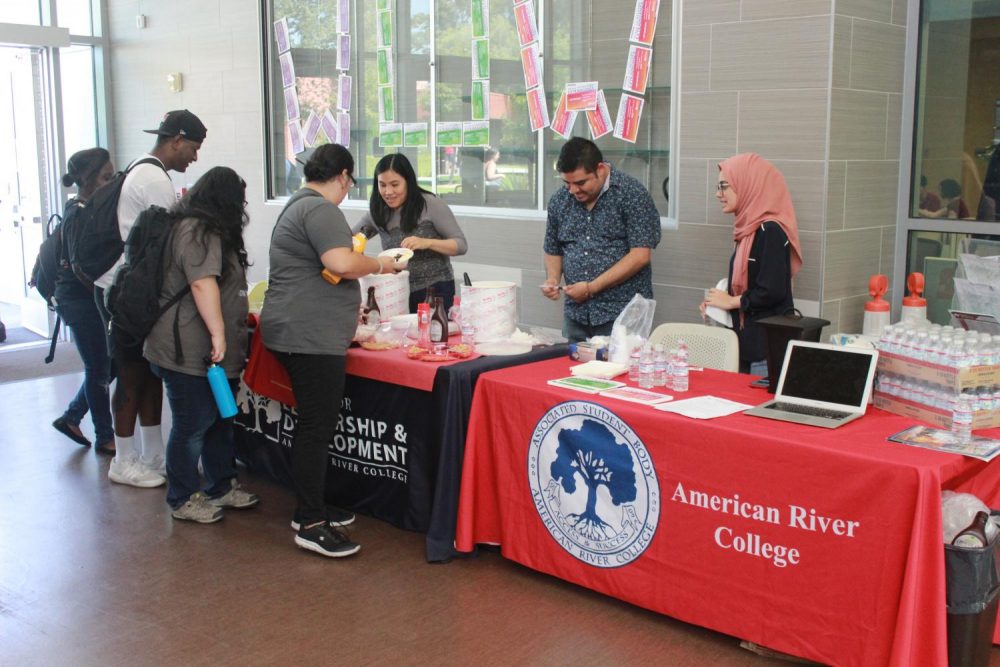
[577,332]
[197,431]
[84,320]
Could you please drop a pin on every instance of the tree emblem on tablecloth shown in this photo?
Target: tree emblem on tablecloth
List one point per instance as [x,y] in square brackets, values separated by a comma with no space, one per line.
[593,453]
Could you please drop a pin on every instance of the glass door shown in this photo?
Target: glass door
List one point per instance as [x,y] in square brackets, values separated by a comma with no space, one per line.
[25,188]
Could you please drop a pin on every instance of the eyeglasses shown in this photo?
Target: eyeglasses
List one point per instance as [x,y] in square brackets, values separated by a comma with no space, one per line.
[722,186]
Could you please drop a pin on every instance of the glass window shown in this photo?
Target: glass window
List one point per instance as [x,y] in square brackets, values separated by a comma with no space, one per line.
[20,11]
[78,97]
[960,271]
[956,167]
[430,65]
[75,15]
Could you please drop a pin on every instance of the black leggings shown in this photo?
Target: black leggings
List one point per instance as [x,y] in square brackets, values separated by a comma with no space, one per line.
[318,385]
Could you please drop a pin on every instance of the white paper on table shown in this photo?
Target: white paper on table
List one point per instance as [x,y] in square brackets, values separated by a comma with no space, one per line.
[704,407]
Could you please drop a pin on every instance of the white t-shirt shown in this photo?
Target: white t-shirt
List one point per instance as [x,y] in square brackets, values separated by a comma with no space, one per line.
[144,186]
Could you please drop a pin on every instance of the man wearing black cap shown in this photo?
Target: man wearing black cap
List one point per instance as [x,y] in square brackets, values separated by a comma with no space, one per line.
[138,393]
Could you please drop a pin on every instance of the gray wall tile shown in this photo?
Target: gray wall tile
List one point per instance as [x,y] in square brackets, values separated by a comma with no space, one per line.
[836,193]
[873,10]
[842,29]
[708,11]
[676,304]
[857,125]
[753,10]
[694,185]
[831,312]
[871,193]
[852,314]
[784,124]
[748,56]
[899,11]
[806,284]
[893,127]
[851,257]
[887,263]
[695,63]
[694,255]
[877,56]
[708,124]
[807,184]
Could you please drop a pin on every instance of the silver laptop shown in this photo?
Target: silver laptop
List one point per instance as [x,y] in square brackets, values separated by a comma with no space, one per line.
[821,385]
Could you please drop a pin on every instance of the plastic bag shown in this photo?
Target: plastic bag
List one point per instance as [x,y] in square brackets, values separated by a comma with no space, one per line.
[957,512]
[631,328]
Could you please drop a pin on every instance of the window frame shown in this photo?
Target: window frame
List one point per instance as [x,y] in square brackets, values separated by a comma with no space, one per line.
[270,111]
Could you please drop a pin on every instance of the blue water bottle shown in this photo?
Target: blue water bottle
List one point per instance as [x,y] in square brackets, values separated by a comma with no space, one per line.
[220,389]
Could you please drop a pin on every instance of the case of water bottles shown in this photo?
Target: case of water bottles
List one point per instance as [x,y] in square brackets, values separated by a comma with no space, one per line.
[933,373]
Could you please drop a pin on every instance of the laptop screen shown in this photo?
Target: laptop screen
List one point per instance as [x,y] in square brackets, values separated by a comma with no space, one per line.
[831,374]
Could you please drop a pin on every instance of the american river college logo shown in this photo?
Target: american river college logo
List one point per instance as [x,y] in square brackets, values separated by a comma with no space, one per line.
[593,484]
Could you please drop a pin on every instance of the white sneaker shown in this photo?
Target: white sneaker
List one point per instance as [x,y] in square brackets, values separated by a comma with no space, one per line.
[132,473]
[157,464]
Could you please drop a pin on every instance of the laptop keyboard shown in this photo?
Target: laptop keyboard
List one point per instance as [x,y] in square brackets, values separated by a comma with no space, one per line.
[809,410]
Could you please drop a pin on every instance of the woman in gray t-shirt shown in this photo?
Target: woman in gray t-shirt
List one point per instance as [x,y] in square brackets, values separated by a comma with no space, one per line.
[307,321]
[404,215]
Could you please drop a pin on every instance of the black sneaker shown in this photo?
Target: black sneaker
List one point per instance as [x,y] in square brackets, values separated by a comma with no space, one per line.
[327,541]
[335,516]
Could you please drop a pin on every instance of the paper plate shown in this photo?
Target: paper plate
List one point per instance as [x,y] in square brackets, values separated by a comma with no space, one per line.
[502,348]
[404,254]
[718,314]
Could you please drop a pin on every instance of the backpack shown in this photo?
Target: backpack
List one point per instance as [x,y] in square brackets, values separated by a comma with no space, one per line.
[43,274]
[134,296]
[94,240]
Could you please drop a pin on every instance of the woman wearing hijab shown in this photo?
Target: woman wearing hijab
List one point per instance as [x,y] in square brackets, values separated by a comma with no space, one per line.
[404,215]
[766,256]
[88,170]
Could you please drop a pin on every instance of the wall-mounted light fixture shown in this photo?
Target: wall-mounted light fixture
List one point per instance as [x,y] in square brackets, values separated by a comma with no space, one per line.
[176,82]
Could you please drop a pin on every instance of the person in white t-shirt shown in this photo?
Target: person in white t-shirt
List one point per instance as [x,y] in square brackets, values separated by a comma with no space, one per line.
[138,394]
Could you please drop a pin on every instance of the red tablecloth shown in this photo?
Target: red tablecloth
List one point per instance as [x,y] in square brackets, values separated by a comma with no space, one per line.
[862,513]
[402,370]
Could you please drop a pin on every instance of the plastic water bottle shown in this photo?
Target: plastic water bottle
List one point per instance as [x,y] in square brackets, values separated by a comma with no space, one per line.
[961,419]
[646,368]
[671,368]
[468,332]
[659,366]
[681,369]
[223,394]
[633,365]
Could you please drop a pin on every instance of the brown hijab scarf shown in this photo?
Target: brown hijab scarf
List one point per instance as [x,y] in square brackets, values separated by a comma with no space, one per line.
[762,196]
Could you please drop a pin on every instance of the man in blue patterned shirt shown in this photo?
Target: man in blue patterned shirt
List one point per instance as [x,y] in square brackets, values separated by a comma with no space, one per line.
[601,231]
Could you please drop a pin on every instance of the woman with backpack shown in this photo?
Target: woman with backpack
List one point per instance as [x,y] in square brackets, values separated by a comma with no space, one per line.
[206,326]
[88,170]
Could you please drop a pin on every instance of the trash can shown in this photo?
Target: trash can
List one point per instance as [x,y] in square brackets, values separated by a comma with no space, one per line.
[972,587]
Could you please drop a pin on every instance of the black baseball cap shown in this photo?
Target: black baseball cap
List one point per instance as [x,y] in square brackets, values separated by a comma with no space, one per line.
[181,122]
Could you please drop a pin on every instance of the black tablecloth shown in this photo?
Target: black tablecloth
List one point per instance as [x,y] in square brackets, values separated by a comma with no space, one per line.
[412,476]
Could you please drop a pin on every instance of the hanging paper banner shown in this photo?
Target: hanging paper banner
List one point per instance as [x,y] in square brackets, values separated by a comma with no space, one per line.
[480,18]
[480,59]
[383,64]
[390,135]
[344,82]
[629,114]
[312,128]
[281,35]
[476,133]
[344,125]
[291,104]
[415,135]
[524,17]
[644,21]
[287,69]
[343,15]
[480,100]
[343,51]
[386,104]
[449,134]
[383,30]
[295,136]
[330,129]
[599,119]
[519,2]
[563,119]
[532,66]
[581,96]
[538,110]
[637,69]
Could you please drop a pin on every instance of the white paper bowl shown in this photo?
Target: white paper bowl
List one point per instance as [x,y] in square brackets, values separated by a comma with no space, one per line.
[404,255]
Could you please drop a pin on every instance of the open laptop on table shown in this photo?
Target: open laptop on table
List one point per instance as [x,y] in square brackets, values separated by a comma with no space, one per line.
[821,385]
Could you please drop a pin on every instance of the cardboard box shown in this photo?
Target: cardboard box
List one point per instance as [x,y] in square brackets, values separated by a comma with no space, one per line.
[934,416]
[955,378]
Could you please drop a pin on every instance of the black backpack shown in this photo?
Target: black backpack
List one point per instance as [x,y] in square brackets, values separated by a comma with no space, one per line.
[43,274]
[134,296]
[93,238]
